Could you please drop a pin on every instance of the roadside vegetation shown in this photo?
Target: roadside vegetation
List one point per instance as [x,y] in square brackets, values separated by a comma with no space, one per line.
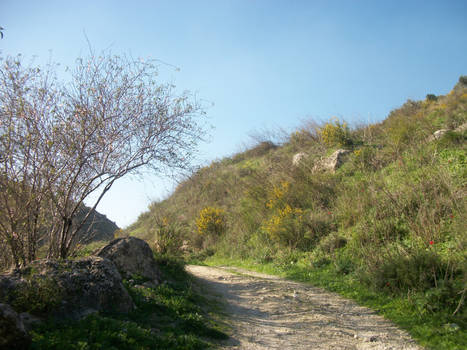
[169,316]
[387,228]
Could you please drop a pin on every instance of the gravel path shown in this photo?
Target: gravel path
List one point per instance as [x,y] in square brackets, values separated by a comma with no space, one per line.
[267,312]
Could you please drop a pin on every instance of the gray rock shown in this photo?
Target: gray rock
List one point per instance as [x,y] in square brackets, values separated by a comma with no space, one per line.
[132,256]
[297,158]
[461,128]
[13,335]
[149,284]
[333,162]
[437,135]
[83,286]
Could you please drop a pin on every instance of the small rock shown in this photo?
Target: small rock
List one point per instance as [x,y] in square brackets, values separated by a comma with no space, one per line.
[437,135]
[149,284]
[297,158]
[373,339]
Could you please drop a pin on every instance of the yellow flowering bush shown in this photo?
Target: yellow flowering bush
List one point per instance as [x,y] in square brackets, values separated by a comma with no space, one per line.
[211,221]
[286,226]
[277,194]
[336,133]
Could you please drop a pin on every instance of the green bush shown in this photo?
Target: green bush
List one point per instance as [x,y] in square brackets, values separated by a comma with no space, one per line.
[168,236]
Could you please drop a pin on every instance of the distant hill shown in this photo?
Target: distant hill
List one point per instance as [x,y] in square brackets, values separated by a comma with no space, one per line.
[98,226]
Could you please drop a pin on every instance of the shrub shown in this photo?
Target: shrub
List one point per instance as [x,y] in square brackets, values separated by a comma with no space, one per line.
[431,97]
[211,222]
[417,269]
[276,196]
[336,133]
[287,227]
[167,237]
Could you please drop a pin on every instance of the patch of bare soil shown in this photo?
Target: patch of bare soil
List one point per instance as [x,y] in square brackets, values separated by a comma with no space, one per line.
[267,312]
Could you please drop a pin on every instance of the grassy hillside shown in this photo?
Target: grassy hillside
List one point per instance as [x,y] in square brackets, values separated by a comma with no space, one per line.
[392,219]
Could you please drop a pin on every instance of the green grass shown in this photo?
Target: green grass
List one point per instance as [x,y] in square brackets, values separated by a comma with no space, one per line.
[170,316]
[433,331]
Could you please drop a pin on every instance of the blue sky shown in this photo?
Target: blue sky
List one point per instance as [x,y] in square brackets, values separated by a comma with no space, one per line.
[263,64]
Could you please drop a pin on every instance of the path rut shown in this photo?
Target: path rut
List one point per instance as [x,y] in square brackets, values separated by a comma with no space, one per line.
[267,312]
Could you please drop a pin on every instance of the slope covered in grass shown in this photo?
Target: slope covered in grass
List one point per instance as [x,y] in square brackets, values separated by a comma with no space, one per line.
[391,220]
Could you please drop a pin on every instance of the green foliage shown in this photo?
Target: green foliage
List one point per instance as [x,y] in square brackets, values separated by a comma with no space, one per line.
[87,249]
[287,227]
[168,236]
[37,295]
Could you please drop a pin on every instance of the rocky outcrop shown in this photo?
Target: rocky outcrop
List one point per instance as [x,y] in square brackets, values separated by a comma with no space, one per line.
[333,162]
[132,256]
[72,289]
[77,287]
[13,334]
[439,133]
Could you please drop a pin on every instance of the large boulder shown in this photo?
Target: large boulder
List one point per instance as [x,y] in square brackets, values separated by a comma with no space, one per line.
[13,334]
[132,256]
[70,288]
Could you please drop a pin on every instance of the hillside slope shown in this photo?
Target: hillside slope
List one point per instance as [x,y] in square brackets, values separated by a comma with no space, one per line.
[392,216]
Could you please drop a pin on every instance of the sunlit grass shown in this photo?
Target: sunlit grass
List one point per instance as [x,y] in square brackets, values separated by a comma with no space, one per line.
[434,331]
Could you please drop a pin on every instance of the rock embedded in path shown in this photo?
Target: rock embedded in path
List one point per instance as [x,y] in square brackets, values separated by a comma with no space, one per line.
[132,256]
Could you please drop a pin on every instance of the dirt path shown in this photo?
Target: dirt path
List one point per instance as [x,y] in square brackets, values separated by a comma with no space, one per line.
[267,312]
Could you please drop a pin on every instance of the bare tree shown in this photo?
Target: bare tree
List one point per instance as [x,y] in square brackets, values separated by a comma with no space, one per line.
[111,119]
[22,192]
